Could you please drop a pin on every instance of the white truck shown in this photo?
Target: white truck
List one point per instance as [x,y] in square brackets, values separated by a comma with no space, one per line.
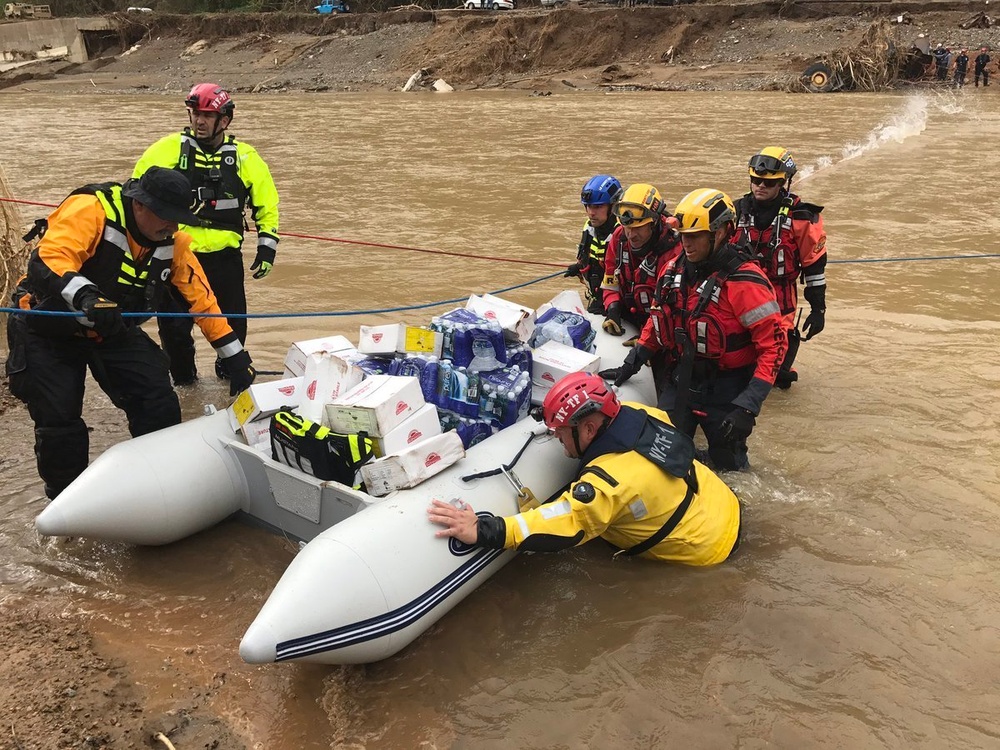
[26,10]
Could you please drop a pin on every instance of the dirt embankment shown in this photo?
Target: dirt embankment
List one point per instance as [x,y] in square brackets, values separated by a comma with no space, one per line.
[762,45]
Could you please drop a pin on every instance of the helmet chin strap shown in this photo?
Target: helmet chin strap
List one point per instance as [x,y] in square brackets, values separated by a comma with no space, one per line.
[216,131]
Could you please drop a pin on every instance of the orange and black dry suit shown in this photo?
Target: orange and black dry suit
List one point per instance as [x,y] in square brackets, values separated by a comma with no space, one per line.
[721,324]
[639,488]
[788,240]
[590,257]
[630,274]
[91,243]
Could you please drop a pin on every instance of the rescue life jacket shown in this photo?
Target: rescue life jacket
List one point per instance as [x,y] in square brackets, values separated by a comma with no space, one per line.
[659,442]
[689,313]
[635,276]
[775,248]
[218,190]
[593,248]
[136,285]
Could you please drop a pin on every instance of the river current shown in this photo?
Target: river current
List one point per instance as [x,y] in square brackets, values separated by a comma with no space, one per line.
[863,608]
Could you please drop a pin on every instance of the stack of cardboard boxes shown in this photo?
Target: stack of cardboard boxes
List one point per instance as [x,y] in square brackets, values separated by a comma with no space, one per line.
[422,394]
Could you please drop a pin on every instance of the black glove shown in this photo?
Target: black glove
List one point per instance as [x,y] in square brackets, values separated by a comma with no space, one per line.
[738,425]
[102,312]
[634,361]
[815,322]
[264,261]
[574,270]
[613,324]
[241,372]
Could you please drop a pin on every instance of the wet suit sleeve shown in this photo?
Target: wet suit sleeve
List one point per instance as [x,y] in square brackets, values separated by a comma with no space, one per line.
[580,514]
[752,299]
[648,338]
[74,231]
[166,152]
[810,238]
[263,196]
[187,275]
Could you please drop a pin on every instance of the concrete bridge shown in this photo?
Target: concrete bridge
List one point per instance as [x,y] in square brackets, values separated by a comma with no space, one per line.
[75,39]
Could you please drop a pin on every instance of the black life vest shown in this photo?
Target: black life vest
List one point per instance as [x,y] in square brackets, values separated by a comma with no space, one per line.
[218,190]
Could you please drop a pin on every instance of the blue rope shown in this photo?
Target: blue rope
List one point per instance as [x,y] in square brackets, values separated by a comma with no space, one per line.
[66,313]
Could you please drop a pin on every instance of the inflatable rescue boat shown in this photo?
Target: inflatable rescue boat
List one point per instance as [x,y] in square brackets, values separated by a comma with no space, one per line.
[372,576]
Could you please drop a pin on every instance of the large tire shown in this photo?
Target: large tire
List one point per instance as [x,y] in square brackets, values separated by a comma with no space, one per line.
[819,78]
[496,6]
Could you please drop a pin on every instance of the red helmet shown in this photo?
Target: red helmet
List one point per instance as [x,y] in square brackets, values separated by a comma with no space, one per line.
[576,396]
[210,97]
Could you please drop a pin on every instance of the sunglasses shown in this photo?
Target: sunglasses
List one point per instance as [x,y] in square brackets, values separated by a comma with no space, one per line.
[774,182]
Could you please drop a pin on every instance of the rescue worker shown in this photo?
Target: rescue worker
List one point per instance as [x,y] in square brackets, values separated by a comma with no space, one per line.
[227,176]
[598,196]
[982,60]
[637,252]
[787,237]
[108,249]
[961,68]
[637,486]
[716,312]
[942,61]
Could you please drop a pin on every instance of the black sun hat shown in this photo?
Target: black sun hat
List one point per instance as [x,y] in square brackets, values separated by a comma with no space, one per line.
[165,192]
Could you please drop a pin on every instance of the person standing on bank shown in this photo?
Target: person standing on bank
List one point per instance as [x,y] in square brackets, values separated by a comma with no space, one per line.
[717,319]
[108,249]
[981,70]
[599,194]
[638,486]
[788,239]
[227,176]
[961,68]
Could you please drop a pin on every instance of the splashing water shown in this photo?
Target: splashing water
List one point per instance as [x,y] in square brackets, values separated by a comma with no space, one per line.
[911,121]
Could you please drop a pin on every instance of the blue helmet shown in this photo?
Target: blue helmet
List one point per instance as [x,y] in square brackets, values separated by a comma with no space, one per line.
[603,189]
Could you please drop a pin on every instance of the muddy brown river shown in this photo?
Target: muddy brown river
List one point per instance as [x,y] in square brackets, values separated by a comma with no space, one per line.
[863,609]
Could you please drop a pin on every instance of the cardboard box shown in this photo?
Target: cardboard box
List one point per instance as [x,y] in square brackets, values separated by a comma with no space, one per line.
[412,466]
[422,425]
[376,406]
[552,361]
[569,301]
[327,377]
[399,338]
[295,360]
[516,320]
[258,434]
[263,400]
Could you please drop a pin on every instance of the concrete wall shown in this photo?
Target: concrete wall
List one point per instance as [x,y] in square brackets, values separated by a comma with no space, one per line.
[31,36]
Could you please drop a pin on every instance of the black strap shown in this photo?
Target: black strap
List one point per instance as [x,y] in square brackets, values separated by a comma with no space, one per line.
[508,467]
[671,524]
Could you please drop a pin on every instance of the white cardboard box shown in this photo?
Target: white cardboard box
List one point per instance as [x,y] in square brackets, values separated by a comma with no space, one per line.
[376,406]
[516,319]
[420,426]
[295,360]
[397,337]
[327,378]
[553,361]
[568,301]
[258,434]
[412,466]
[263,400]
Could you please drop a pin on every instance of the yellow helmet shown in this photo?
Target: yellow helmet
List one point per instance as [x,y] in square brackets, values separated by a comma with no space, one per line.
[704,210]
[639,205]
[772,163]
